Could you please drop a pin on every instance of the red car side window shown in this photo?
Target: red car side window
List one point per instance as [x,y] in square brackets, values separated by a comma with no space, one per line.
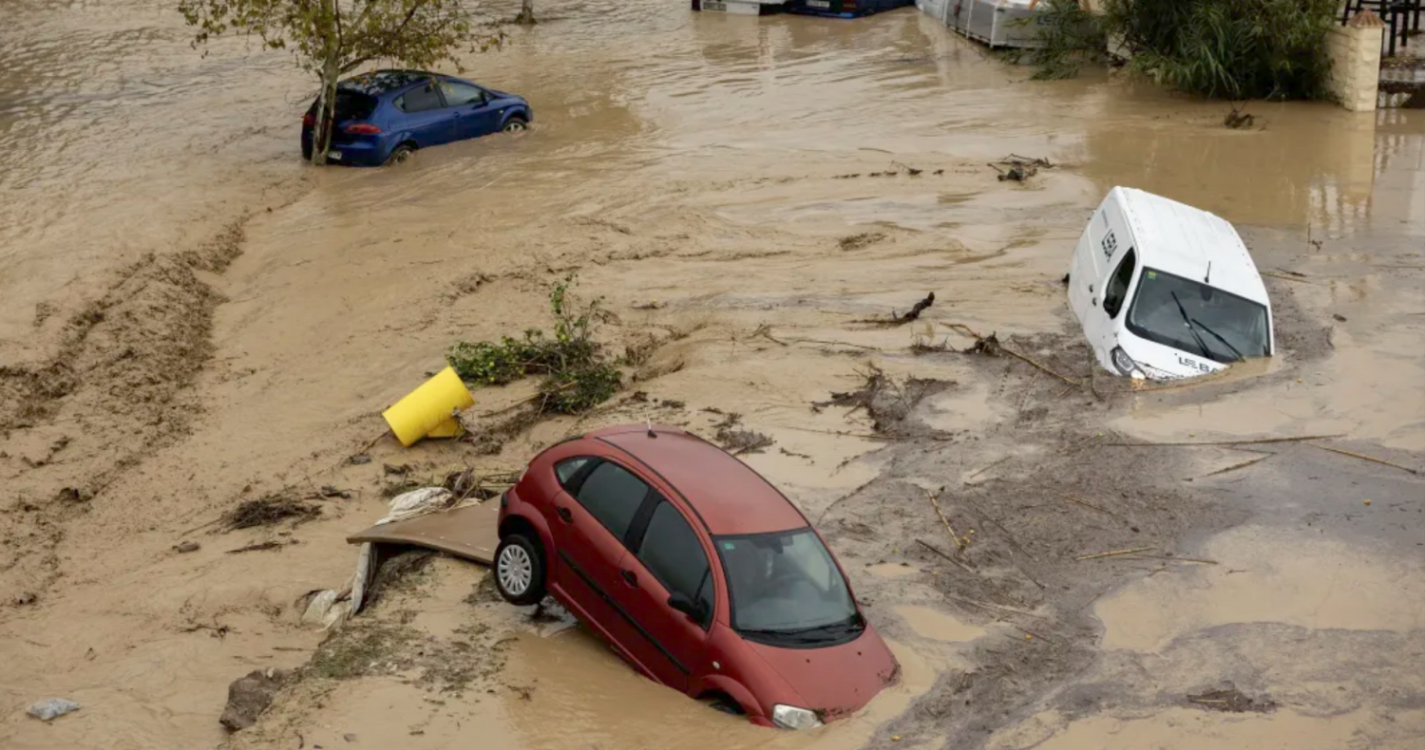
[567,472]
[672,553]
[613,495]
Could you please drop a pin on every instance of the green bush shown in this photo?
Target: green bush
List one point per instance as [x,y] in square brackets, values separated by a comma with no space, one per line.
[1233,49]
[1068,36]
[577,376]
[1230,49]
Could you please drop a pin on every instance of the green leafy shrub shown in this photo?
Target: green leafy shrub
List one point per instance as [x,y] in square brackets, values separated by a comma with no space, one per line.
[577,376]
[1234,49]
[1231,49]
[1069,37]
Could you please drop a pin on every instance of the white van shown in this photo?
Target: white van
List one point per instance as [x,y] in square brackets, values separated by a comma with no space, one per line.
[1164,290]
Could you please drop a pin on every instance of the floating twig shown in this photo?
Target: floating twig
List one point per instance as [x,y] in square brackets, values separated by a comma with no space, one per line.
[1373,460]
[1114,553]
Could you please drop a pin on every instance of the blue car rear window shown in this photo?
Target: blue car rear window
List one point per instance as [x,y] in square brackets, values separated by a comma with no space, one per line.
[350,105]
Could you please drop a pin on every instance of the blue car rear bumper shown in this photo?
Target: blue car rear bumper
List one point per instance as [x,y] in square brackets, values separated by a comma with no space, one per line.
[356,153]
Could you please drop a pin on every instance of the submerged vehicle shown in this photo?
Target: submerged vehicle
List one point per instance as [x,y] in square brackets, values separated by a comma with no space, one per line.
[998,23]
[385,116]
[825,8]
[1164,290]
[696,570]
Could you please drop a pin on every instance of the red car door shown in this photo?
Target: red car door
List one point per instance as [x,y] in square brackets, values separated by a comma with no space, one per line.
[669,589]
[588,529]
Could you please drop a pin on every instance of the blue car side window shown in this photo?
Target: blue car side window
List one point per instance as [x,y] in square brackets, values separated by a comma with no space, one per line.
[419,99]
[457,94]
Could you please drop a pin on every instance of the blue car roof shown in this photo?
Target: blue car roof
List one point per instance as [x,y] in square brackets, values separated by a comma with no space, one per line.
[383,82]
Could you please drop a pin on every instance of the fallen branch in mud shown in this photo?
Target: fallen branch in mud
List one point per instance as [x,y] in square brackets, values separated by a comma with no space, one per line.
[1114,553]
[902,318]
[955,538]
[1177,559]
[991,466]
[992,346]
[1285,277]
[1235,467]
[888,403]
[1231,700]
[260,547]
[1263,441]
[841,433]
[1088,504]
[1366,458]
[269,510]
[1009,537]
[1019,168]
[991,606]
[765,331]
[944,554]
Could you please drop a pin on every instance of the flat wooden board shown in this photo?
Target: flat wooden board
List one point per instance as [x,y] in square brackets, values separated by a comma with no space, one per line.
[471,532]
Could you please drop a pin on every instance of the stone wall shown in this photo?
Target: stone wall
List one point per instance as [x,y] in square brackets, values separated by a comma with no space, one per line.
[1355,61]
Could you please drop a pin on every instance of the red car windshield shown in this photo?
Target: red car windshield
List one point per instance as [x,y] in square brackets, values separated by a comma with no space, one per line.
[786,589]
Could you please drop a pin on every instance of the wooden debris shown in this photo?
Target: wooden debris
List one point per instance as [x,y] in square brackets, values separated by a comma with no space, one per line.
[991,606]
[1285,277]
[1114,553]
[1264,441]
[943,554]
[1177,559]
[1235,467]
[954,537]
[1090,505]
[1373,460]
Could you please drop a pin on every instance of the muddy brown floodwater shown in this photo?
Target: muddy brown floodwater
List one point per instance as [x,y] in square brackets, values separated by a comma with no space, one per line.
[191,318]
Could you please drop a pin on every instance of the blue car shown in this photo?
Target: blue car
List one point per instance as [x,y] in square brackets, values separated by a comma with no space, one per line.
[385,116]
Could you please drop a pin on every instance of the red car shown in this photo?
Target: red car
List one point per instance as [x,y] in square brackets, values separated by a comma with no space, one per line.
[697,571]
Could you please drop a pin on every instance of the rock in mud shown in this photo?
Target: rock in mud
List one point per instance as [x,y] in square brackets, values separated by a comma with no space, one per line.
[250,695]
[52,708]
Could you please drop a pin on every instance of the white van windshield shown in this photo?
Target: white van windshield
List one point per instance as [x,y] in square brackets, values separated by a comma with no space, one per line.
[1197,318]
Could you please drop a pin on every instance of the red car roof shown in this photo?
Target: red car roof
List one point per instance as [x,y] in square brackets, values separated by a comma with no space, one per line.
[730,497]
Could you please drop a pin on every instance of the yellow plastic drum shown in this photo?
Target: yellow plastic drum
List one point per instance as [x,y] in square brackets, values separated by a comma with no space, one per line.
[428,407]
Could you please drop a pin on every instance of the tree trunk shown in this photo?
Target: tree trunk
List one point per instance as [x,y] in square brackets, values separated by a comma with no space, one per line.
[326,112]
[526,15]
[326,100]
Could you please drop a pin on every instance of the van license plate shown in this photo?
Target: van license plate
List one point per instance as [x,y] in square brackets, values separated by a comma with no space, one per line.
[334,155]
[823,4]
[713,5]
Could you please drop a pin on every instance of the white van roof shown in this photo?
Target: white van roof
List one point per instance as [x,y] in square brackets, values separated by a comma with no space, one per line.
[1181,240]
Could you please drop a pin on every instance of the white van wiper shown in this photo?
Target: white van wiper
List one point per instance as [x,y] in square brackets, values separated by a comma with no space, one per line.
[1191,328]
[1218,336]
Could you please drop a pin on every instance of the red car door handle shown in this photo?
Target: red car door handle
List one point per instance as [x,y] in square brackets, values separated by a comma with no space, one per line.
[630,578]
[564,514]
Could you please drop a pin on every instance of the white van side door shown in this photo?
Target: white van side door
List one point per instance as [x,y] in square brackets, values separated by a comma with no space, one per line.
[1113,305]
[1107,237]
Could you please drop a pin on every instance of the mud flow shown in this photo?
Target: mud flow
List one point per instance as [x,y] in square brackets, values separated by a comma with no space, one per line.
[193,320]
